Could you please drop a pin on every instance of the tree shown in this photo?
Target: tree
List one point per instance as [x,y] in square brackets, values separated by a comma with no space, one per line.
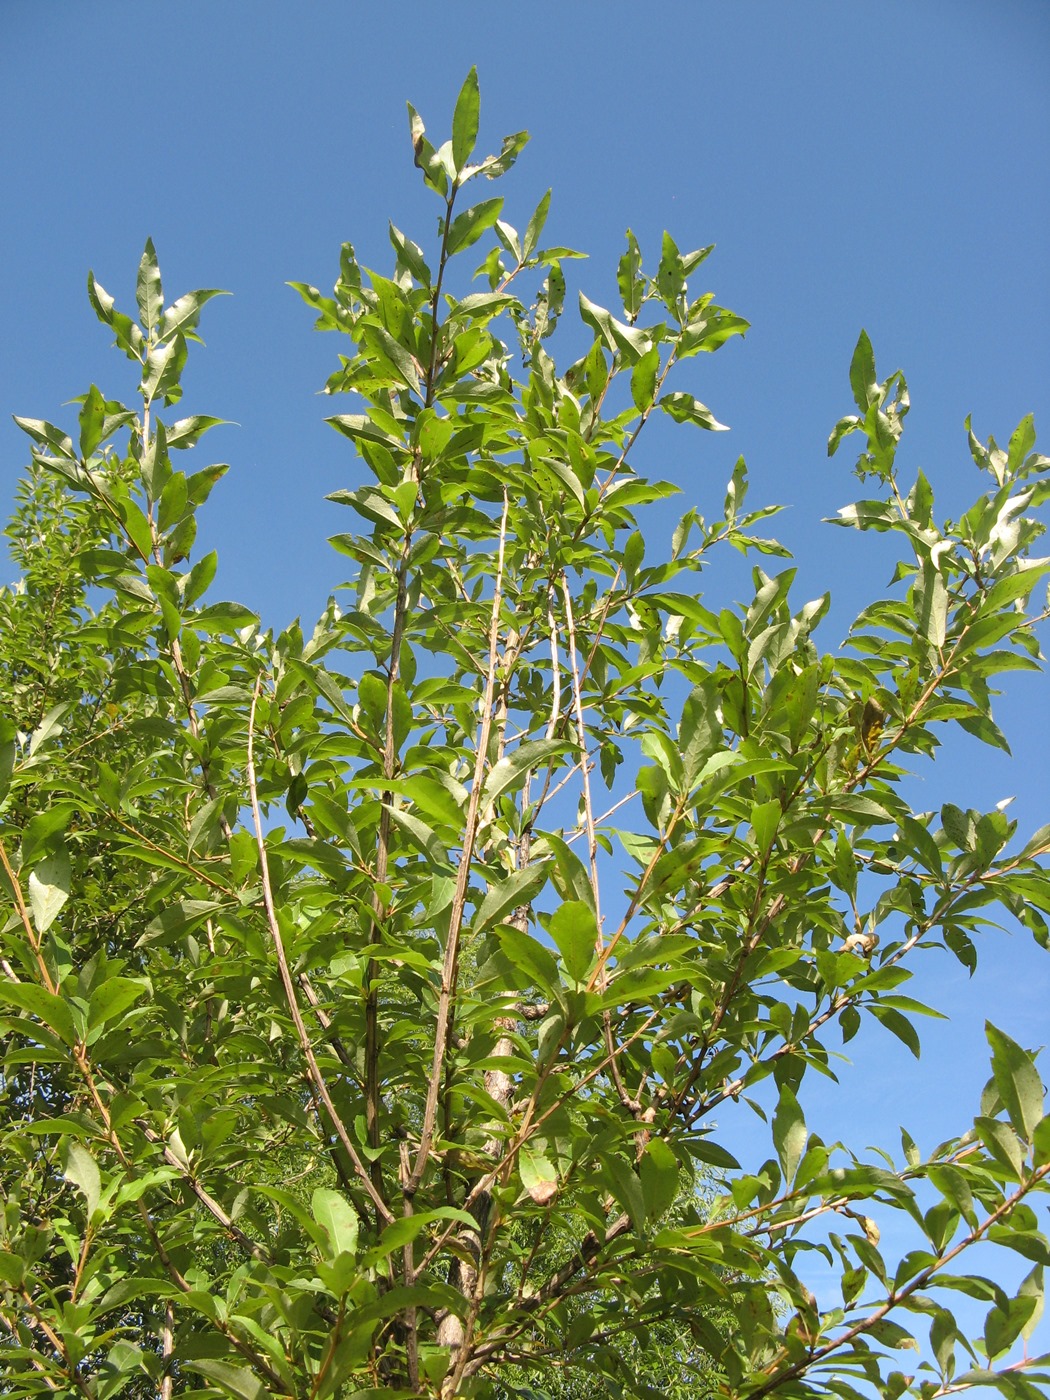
[336,1063]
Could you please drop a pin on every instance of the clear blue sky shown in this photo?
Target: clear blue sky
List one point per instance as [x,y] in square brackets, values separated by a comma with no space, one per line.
[858,165]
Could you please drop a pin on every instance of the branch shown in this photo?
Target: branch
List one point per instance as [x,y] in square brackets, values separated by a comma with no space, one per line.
[207,1201]
[371,990]
[896,1297]
[459,899]
[286,977]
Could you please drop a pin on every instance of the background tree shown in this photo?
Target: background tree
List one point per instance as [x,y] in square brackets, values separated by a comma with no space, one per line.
[413,1093]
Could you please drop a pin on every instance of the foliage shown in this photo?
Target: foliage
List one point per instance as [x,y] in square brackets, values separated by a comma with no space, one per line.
[336,1063]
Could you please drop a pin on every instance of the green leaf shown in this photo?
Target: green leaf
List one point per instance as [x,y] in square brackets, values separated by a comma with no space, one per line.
[1001,1141]
[410,1227]
[643,379]
[700,731]
[426,158]
[538,1174]
[48,728]
[1022,440]
[48,1008]
[187,432]
[911,1152]
[183,316]
[47,435]
[8,749]
[862,374]
[517,891]
[109,1001]
[399,357]
[529,958]
[954,1187]
[683,408]
[199,578]
[569,876]
[49,885]
[465,121]
[800,701]
[420,834]
[337,1218]
[1016,585]
[534,227]
[959,826]
[899,1025]
[575,933]
[82,1170]
[1041,1142]
[630,341]
[931,606]
[199,485]
[468,227]
[148,291]
[510,149]
[670,275]
[510,771]
[630,282]
[1018,1081]
[658,1173]
[233,1380]
[411,255]
[358,427]
[1030,1244]
[789,1133]
[127,335]
[92,416]
[1032,1287]
[626,1187]
[163,370]
[1003,1325]
[765,820]
[229,618]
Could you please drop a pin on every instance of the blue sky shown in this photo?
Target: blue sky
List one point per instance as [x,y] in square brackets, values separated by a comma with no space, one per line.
[879,166]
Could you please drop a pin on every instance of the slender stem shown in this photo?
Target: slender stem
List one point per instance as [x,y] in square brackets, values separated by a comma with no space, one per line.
[408,1267]
[452,1332]
[70,1368]
[435,300]
[581,739]
[286,977]
[167,1350]
[371,980]
[459,899]
[27,924]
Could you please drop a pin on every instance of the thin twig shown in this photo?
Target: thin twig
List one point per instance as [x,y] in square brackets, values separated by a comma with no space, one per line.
[581,737]
[898,1296]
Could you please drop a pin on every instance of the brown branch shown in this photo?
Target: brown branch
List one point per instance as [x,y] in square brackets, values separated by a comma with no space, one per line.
[27,924]
[286,977]
[207,1201]
[49,1381]
[631,1103]
[581,738]
[58,1343]
[459,899]
[371,976]
[167,1350]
